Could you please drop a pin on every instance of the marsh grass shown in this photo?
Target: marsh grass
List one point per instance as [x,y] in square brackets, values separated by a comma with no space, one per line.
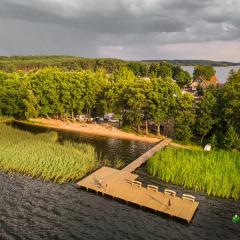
[42,156]
[217,172]
[5,119]
[116,163]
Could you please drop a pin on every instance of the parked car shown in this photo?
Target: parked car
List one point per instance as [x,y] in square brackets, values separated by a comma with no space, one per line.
[99,120]
[82,118]
[108,116]
[113,120]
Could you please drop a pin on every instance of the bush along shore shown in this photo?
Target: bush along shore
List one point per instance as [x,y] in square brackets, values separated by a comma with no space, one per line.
[42,156]
[216,173]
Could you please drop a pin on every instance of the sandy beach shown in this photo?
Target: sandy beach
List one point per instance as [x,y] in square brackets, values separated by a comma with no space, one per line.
[93,129]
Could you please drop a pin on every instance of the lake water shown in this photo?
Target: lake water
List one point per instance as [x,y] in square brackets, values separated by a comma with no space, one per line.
[221,72]
[106,148]
[33,209]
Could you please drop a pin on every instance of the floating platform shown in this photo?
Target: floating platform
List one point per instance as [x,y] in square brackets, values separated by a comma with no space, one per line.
[121,184]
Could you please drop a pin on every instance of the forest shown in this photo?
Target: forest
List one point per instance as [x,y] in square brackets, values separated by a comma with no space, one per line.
[155,103]
[140,68]
[27,63]
[193,62]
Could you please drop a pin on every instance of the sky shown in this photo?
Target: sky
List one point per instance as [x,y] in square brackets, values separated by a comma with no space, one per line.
[126,29]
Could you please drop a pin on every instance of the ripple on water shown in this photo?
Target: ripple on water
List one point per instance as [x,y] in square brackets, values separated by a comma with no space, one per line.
[32,209]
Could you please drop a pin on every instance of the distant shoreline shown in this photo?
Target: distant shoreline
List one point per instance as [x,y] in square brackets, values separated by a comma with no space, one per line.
[194,62]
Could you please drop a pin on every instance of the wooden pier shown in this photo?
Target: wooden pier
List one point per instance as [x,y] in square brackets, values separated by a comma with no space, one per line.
[142,159]
[122,184]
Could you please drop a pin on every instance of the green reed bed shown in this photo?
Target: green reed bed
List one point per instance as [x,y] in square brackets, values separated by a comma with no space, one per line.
[217,173]
[5,119]
[41,156]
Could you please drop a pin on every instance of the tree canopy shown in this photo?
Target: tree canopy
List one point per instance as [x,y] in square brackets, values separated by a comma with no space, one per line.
[203,71]
[139,102]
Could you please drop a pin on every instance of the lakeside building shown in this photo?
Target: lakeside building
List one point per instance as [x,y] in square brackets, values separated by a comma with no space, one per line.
[201,82]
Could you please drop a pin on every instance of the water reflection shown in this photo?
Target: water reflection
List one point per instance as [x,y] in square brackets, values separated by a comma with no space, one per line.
[106,148]
[33,209]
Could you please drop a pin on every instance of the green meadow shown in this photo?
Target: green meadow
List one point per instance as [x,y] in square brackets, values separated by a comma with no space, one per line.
[217,172]
[43,157]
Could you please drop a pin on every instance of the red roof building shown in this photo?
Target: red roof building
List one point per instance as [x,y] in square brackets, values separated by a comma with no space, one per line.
[202,82]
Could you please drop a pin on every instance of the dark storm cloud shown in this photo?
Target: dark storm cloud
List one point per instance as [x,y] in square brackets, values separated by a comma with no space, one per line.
[104,17]
[112,27]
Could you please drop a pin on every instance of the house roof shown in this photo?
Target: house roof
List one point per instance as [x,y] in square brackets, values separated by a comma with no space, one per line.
[214,80]
[205,83]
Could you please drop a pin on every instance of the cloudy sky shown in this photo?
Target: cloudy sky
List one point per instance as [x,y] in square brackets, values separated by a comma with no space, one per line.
[127,29]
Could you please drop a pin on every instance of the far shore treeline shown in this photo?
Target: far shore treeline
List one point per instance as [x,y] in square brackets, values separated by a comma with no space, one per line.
[27,63]
[138,94]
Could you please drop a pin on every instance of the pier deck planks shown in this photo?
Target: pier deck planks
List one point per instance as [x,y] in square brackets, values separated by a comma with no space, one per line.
[119,186]
[142,159]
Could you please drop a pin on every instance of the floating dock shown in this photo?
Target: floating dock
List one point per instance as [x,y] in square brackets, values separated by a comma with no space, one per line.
[122,184]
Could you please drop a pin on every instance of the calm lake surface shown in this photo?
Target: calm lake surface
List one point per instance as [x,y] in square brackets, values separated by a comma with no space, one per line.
[33,209]
[106,148]
[221,72]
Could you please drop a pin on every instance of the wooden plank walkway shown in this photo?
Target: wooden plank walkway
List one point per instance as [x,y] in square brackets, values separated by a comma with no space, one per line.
[118,184]
[142,159]
[122,184]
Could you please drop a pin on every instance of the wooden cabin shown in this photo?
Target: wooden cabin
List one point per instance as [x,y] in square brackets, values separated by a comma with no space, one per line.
[202,82]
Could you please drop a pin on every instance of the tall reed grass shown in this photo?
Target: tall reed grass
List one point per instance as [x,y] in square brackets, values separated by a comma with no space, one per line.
[217,173]
[41,156]
[4,119]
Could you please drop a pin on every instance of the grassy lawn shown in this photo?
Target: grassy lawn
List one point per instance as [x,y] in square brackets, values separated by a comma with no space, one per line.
[42,156]
[217,172]
[195,146]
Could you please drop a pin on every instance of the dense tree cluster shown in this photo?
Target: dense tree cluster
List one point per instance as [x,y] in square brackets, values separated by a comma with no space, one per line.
[218,114]
[28,63]
[71,63]
[139,102]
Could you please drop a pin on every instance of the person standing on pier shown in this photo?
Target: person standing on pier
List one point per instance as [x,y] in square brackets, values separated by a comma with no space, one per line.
[169,203]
